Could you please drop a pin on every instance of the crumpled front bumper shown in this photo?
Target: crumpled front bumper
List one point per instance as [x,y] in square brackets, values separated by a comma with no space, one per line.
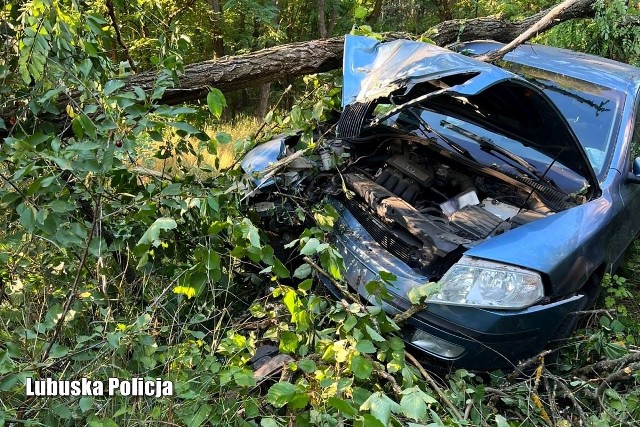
[466,337]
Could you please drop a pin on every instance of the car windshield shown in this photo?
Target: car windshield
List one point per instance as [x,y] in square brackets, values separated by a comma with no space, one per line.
[593,111]
[476,141]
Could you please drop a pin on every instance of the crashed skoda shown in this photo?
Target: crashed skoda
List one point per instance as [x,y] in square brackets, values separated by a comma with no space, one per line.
[515,188]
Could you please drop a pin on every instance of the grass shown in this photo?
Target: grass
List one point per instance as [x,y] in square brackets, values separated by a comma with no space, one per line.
[230,141]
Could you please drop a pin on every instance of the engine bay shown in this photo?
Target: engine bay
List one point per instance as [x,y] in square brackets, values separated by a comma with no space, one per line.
[422,204]
[425,210]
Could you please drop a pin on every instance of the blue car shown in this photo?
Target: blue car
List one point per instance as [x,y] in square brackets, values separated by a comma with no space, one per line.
[500,194]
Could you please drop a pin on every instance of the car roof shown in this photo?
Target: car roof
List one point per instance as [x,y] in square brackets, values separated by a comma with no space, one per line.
[602,71]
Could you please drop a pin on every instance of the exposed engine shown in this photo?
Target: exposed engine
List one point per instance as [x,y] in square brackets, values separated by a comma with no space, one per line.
[427,212]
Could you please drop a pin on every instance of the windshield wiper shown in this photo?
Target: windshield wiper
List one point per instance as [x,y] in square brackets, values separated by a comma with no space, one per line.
[456,147]
[489,146]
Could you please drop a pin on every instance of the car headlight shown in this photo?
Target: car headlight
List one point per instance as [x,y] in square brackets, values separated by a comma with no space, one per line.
[486,284]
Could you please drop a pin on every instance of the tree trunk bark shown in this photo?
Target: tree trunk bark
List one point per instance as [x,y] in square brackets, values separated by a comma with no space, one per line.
[372,19]
[217,43]
[322,26]
[263,104]
[297,59]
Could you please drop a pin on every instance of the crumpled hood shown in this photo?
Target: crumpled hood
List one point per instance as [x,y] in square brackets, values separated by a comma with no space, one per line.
[374,70]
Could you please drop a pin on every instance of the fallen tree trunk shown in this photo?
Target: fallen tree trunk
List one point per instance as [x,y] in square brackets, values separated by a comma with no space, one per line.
[492,28]
[297,59]
[302,58]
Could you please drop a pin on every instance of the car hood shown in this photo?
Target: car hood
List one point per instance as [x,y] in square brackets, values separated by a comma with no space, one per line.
[374,70]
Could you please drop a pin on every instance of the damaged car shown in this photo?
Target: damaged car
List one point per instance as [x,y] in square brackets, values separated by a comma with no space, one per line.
[513,187]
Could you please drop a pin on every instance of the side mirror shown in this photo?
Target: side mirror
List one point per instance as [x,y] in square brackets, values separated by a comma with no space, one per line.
[634,176]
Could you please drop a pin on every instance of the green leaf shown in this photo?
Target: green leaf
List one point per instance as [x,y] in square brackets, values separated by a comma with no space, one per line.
[112,85]
[244,378]
[343,406]
[307,365]
[250,232]
[380,406]
[373,334]
[361,367]
[288,342]
[151,236]
[318,108]
[281,393]
[414,403]
[302,271]
[421,293]
[216,102]
[350,323]
[85,403]
[280,270]
[365,346]
[171,190]
[58,351]
[62,411]
[310,247]
[360,12]
[501,421]
[268,422]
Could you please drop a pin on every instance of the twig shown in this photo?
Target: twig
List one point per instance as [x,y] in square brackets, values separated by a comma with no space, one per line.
[619,375]
[525,364]
[114,23]
[382,373]
[150,172]
[568,393]
[467,410]
[553,405]
[405,315]
[534,394]
[607,311]
[333,281]
[606,365]
[18,190]
[433,385]
[72,290]
[264,122]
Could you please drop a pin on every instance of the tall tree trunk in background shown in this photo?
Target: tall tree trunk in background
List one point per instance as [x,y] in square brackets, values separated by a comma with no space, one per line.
[445,9]
[333,18]
[375,13]
[217,43]
[322,27]
[263,104]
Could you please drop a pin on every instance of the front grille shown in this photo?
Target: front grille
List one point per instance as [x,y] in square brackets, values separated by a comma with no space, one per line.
[401,248]
[352,119]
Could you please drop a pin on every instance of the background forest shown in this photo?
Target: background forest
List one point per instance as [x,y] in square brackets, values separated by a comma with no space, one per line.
[127,250]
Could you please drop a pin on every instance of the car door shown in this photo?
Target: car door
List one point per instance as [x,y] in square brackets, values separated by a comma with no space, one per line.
[627,221]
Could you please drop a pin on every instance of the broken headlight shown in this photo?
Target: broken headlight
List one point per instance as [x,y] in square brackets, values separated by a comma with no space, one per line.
[486,284]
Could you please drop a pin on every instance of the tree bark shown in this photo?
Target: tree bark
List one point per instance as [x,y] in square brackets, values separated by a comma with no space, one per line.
[263,104]
[217,43]
[373,17]
[504,31]
[533,30]
[322,26]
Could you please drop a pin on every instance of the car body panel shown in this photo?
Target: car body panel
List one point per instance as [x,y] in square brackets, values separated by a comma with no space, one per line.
[496,338]
[373,70]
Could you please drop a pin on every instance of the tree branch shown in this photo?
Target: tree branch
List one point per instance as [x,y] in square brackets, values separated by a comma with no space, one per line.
[114,23]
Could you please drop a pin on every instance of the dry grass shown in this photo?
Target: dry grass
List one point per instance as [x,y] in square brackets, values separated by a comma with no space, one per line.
[205,161]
